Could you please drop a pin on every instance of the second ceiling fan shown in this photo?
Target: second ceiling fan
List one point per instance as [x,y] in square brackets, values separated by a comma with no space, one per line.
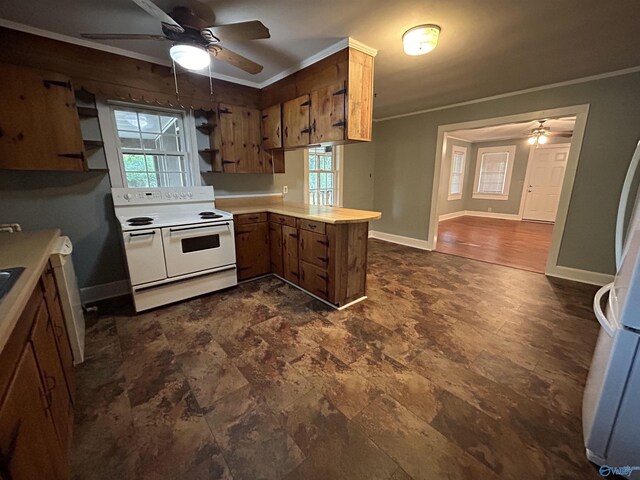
[194,36]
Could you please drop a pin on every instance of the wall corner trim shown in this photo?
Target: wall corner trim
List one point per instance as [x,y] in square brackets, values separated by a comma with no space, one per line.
[104,291]
[400,240]
[578,275]
[361,47]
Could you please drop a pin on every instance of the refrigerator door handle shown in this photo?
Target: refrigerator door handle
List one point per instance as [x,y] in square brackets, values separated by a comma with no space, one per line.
[622,207]
[597,308]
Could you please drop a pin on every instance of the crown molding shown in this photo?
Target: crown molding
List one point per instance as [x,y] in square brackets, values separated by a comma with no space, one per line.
[600,76]
[336,47]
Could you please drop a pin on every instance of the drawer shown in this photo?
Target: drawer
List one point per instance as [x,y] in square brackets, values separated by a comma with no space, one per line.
[317,227]
[314,248]
[283,219]
[247,218]
[314,279]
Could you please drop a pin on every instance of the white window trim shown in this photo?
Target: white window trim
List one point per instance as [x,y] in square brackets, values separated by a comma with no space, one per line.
[110,138]
[463,150]
[511,150]
[338,152]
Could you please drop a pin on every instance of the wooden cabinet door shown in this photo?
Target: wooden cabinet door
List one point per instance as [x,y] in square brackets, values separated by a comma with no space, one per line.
[275,244]
[28,445]
[295,119]
[272,127]
[240,139]
[252,250]
[314,248]
[290,254]
[61,110]
[62,342]
[328,113]
[314,279]
[53,378]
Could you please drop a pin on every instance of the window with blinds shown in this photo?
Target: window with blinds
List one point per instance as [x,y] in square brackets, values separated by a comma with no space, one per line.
[152,148]
[493,172]
[456,178]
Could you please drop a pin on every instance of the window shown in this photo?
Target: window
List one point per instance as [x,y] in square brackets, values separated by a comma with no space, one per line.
[494,166]
[456,178]
[322,176]
[152,147]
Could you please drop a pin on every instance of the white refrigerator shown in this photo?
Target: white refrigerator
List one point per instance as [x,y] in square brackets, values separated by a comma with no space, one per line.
[611,403]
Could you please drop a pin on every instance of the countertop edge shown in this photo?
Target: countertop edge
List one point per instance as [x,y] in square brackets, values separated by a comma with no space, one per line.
[21,292]
[241,210]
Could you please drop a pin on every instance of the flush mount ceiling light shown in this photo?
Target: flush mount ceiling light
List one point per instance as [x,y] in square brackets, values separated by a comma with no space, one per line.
[190,56]
[421,39]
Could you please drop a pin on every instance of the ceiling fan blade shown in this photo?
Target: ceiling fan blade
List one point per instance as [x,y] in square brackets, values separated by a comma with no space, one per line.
[252,30]
[202,10]
[558,134]
[235,59]
[155,11]
[122,36]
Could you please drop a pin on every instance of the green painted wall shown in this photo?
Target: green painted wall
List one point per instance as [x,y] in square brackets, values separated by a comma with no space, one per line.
[512,204]
[405,155]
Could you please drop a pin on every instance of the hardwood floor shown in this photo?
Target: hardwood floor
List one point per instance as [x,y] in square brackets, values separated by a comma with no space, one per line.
[451,369]
[523,245]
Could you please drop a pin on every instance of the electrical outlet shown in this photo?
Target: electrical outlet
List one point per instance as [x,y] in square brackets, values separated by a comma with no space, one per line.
[285,190]
[488,209]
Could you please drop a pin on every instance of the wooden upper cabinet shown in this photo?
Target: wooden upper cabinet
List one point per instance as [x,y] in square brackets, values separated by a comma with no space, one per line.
[240,139]
[39,122]
[295,119]
[28,445]
[272,127]
[328,113]
[359,96]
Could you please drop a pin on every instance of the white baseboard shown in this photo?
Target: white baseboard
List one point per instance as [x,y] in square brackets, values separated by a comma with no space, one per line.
[400,240]
[475,213]
[577,275]
[96,293]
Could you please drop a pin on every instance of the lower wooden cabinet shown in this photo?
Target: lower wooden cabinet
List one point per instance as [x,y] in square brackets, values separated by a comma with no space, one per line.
[327,260]
[252,248]
[36,408]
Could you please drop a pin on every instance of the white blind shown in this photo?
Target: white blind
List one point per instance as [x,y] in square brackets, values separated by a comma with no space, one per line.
[493,172]
[457,169]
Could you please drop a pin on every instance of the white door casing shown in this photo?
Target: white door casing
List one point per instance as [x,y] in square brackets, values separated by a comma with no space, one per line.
[545,175]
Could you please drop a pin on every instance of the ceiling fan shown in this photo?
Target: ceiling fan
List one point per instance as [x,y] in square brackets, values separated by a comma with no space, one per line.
[540,135]
[194,35]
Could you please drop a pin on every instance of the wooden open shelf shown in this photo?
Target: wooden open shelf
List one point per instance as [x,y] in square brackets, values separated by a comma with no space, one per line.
[93,144]
[206,127]
[87,112]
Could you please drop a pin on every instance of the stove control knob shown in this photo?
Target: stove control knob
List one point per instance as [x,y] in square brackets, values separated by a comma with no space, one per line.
[127,196]
[182,194]
[168,195]
[190,194]
[175,194]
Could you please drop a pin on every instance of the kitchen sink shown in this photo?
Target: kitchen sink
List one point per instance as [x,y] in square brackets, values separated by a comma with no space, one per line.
[8,277]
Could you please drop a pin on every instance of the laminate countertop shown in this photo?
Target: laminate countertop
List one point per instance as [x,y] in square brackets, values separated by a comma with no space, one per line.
[315,213]
[22,249]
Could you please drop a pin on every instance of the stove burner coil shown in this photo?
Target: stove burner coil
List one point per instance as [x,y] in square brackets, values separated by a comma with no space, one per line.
[209,215]
[139,221]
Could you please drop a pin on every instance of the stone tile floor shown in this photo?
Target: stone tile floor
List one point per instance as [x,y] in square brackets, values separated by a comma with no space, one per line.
[452,368]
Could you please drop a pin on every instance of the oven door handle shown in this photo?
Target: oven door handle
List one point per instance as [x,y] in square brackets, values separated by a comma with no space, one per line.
[198,226]
[153,232]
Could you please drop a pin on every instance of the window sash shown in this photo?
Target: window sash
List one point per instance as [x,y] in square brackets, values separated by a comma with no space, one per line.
[456,179]
[322,168]
[493,173]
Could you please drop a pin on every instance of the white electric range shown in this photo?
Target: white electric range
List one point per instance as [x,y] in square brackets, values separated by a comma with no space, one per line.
[176,243]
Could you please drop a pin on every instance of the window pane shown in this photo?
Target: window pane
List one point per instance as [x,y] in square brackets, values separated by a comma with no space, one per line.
[174,180]
[329,180]
[137,180]
[151,141]
[154,180]
[174,163]
[493,172]
[169,124]
[313,181]
[130,140]
[134,163]
[154,162]
[149,122]
[313,162]
[170,143]
[126,120]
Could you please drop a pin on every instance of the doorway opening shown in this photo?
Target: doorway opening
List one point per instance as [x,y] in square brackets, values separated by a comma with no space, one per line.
[502,189]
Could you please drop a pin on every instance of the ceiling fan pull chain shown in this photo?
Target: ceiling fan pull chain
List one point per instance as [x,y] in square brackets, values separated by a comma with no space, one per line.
[210,85]
[175,80]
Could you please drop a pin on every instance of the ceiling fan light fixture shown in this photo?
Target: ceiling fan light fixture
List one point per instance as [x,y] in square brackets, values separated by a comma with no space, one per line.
[190,56]
[532,140]
[420,39]
[542,139]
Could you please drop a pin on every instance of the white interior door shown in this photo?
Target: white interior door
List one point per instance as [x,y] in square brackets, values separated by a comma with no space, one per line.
[546,174]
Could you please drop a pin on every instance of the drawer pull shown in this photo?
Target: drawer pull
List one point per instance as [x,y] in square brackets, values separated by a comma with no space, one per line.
[143,234]
[312,226]
[306,130]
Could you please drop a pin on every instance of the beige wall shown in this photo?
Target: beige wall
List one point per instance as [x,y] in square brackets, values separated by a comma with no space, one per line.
[405,157]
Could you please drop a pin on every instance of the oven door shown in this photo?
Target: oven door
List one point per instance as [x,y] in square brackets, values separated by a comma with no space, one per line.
[190,249]
[145,258]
